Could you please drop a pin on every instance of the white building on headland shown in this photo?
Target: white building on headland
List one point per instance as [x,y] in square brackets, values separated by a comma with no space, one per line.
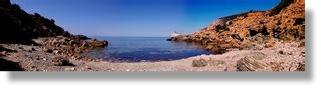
[175,34]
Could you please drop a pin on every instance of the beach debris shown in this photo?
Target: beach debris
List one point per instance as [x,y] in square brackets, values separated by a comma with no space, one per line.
[199,63]
[56,51]
[70,69]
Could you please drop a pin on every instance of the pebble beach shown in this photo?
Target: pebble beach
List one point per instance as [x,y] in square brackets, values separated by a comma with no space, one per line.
[33,58]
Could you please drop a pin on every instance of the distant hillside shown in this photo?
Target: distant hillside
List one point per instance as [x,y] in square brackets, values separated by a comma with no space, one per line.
[16,25]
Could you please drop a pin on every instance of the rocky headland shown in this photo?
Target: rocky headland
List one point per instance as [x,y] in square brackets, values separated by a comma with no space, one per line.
[253,30]
[33,42]
[271,40]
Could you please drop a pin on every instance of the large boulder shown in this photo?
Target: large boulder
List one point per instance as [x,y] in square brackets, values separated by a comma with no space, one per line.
[199,63]
[253,63]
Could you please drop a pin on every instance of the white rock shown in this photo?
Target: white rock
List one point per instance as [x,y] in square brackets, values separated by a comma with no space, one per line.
[175,34]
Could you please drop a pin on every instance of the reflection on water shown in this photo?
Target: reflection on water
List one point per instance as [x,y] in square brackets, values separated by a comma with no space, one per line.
[136,49]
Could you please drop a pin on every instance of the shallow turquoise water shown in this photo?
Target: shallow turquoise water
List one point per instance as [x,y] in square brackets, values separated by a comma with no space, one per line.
[137,49]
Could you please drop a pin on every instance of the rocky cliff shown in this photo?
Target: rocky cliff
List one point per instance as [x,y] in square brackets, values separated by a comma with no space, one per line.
[285,22]
[17,25]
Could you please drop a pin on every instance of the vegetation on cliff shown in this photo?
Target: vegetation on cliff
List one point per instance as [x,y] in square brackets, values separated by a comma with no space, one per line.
[17,26]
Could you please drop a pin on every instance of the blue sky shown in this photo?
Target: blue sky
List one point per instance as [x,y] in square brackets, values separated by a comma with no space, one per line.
[140,18]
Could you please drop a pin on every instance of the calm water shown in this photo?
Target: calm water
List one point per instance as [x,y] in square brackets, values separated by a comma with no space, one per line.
[137,49]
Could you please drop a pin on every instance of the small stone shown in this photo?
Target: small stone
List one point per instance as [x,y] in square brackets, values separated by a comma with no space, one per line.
[60,61]
[70,69]
[302,44]
[142,60]
[44,59]
[33,49]
[96,60]
[3,53]
[230,69]
[89,59]
[87,67]
[270,44]
[77,51]
[301,67]
[47,50]
[56,51]
[87,51]
[281,52]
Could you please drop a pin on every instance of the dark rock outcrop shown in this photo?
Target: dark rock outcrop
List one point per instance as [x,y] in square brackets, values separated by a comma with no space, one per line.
[80,37]
[17,26]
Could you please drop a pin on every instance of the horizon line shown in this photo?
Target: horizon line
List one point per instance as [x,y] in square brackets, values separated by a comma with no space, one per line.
[122,36]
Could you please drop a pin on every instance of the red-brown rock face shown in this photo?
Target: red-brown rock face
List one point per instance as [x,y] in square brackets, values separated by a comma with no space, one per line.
[254,28]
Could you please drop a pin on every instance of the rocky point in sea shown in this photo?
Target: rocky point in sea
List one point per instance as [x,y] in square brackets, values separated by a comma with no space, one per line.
[253,30]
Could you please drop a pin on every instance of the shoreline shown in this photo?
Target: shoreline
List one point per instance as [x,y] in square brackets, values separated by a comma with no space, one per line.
[33,58]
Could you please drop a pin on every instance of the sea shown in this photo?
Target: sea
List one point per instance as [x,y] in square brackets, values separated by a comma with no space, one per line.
[145,49]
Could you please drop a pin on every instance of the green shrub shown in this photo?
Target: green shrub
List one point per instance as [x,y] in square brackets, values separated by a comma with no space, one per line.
[220,28]
[299,21]
[16,6]
[37,15]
